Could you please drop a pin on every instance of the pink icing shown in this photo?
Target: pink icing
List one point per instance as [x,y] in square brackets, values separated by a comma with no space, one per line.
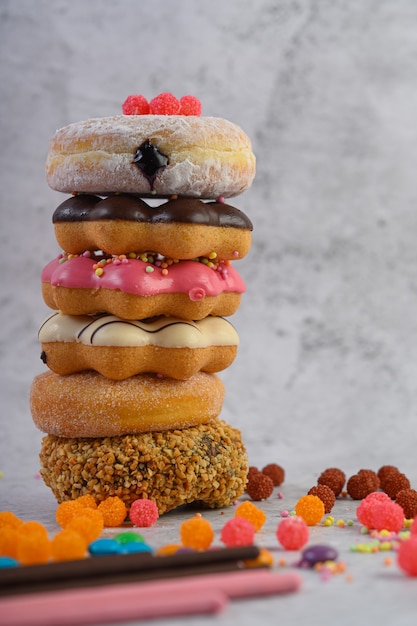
[191,277]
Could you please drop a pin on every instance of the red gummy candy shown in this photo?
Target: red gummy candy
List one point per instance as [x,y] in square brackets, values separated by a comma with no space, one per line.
[164,104]
[387,516]
[190,105]
[364,510]
[238,531]
[135,105]
[292,533]
[143,513]
[407,556]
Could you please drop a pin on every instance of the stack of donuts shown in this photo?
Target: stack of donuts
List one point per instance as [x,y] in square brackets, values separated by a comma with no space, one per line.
[131,400]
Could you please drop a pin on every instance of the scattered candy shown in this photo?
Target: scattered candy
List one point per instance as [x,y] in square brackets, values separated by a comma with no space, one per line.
[127,537]
[87,501]
[293,533]
[197,533]
[68,545]
[407,499]
[89,524]
[407,556]
[104,546]
[395,482]
[362,484]
[33,549]
[8,561]
[275,472]
[364,510]
[259,486]
[252,513]
[143,513]
[113,510]
[311,509]
[238,531]
[134,547]
[317,554]
[387,515]
[7,518]
[66,511]
[333,478]
[264,559]
[325,494]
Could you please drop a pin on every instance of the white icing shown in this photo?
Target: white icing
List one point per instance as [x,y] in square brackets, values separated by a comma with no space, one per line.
[165,332]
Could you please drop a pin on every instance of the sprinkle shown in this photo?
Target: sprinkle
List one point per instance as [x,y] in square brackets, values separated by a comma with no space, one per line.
[99,271]
[212,255]
[340,523]
[149,269]
[280,495]
[220,199]
[284,513]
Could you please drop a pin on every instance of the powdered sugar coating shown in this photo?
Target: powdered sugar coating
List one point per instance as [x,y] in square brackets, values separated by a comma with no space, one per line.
[208,156]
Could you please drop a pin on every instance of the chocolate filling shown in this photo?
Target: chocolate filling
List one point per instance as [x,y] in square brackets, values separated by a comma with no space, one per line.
[150,160]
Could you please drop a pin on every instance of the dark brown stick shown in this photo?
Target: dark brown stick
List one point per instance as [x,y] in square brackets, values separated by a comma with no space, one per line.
[120,568]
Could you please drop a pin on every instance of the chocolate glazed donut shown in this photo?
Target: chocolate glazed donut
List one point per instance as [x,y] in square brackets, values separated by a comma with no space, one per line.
[183,228]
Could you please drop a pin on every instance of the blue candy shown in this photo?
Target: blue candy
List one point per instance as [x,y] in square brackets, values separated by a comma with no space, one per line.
[7,561]
[105,546]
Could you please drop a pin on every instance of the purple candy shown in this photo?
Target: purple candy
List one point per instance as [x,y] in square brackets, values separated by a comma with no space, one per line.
[318,554]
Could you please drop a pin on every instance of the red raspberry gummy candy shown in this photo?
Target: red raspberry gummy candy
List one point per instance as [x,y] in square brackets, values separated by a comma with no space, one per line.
[135,105]
[143,513]
[292,533]
[190,105]
[164,104]
[407,556]
[238,531]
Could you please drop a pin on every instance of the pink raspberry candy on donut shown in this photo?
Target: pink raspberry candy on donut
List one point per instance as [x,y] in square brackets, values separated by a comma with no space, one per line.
[164,104]
[190,105]
[135,105]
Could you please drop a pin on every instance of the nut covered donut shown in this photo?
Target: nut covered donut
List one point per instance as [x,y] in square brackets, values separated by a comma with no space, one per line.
[118,348]
[89,405]
[183,228]
[205,463]
[151,155]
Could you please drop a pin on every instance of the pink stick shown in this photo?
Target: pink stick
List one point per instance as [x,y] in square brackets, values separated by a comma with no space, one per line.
[144,600]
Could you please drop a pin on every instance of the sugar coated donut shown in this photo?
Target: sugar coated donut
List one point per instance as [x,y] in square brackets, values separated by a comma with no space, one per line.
[118,348]
[156,155]
[183,228]
[87,404]
[136,288]
[205,463]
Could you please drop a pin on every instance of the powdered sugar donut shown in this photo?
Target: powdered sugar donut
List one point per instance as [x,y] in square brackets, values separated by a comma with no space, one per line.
[89,405]
[118,348]
[151,155]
